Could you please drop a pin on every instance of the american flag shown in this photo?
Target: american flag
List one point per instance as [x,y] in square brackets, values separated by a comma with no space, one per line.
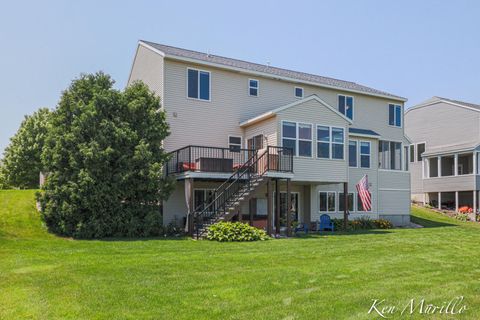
[365,196]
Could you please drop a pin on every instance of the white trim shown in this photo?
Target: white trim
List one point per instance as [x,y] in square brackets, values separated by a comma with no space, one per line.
[209,85]
[250,87]
[439,100]
[395,115]
[353,106]
[330,142]
[297,137]
[295,92]
[369,154]
[277,110]
[336,201]
[143,44]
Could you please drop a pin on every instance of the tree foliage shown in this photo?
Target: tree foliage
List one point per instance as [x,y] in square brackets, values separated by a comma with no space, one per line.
[104,161]
[21,164]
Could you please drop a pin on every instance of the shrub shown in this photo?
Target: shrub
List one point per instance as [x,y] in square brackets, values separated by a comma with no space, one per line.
[104,157]
[382,224]
[363,223]
[462,217]
[235,231]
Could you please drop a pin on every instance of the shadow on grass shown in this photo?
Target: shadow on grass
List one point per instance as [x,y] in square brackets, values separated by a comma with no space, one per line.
[340,233]
[427,223]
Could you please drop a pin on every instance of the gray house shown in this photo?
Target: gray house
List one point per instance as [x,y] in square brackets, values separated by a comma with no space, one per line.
[445,137]
[272,146]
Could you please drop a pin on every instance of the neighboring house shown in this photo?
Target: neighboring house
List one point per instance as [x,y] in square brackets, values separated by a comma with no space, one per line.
[445,137]
[240,129]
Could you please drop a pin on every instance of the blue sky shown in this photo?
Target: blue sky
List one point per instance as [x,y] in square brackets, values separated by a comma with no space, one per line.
[416,49]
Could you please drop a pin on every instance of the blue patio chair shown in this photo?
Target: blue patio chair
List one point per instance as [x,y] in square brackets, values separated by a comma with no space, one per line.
[325,223]
[301,227]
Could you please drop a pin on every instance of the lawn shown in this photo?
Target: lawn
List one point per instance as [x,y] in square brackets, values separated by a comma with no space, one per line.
[320,277]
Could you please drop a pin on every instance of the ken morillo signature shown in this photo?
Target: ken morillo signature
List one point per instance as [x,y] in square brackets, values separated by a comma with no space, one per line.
[385,310]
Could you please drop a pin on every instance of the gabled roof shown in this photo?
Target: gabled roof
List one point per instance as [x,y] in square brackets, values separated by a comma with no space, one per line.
[436,99]
[264,70]
[362,132]
[274,112]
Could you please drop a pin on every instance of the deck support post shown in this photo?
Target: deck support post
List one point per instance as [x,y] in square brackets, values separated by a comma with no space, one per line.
[277,207]
[439,201]
[270,207]
[456,201]
[345,205]
[191,202]
[289,205]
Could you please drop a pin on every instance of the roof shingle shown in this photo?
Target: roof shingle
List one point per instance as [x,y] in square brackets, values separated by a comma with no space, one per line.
[255,67]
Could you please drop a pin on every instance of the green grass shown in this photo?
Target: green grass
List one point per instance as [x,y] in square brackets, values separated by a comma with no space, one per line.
[320,277]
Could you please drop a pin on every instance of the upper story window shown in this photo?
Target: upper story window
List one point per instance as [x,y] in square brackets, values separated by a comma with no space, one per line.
[298,92]
[345,106]
[390,155]
[420,151]
[330,142]
[412,153]
[298,137]
[395,115]
[352,153]
[234,143]
[198,84]
[253,87]
[364,154]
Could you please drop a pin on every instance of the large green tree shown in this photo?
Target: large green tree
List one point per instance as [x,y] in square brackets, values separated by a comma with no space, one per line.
[21,164]
[104,160]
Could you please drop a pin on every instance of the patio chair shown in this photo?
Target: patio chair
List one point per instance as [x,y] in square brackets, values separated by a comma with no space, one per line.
[325,223]
[301,227]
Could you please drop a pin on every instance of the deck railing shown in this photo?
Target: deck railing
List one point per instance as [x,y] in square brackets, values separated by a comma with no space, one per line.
[226,160]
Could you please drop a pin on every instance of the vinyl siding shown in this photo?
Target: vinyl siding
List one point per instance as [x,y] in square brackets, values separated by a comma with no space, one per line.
[441,124]
[148,67]
[230,104]
[267,128]
[314,169]
[445,184]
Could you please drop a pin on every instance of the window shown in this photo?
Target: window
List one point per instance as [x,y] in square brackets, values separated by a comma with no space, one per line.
[420,151]
[337,143]
[360,204]
[364,154]
[390,155]
[345,106]
[253,87]
[298,92]
[289,135]
[203,197]
[341,201]
[297,137]
[433,167]
[234,143]
[304,140]
[395,115]
[352,153]
[327,201]
[405,150]
[330,142]
[323,142]
[412,153]
[198,84]
[255,143]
